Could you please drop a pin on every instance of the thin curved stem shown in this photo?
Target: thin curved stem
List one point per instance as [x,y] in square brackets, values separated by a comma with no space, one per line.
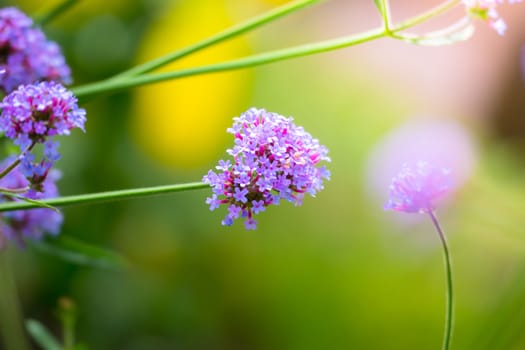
[436,11]
[11,321]
[101,197]
[17,161]
[264,58]
[217,38]
[14,190]
[449,319]
[251,61]
[386,16]
[55,12]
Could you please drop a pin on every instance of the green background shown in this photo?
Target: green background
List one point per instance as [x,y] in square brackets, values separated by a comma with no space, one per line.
[335,273]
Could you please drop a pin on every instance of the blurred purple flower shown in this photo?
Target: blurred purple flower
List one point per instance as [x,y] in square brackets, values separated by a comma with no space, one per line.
[486,10]
[34,223]
[273,159]
[26,56]
[415,189]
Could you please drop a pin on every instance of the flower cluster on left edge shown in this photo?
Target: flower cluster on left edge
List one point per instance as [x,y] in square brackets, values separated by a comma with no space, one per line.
[35,109]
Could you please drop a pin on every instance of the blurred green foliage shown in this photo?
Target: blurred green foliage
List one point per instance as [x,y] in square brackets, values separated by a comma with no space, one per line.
[336,273]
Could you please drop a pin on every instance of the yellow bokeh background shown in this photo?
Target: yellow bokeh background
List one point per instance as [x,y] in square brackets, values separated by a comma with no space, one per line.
[181,122]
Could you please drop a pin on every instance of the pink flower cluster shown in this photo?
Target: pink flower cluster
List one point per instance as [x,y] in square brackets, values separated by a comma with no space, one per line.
[486,10]
[415,189]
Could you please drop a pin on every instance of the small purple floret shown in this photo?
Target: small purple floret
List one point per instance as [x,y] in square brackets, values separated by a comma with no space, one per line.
[51,150]
[415,189]
[273,159]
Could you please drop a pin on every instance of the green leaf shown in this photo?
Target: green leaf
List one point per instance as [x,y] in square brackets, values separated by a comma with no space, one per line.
[459,31]
[42,336]
[81,253]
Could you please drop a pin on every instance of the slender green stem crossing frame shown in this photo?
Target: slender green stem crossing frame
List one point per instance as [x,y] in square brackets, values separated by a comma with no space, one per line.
[115,84]
[55,12]
[251,61]
[218,38]
[103,196]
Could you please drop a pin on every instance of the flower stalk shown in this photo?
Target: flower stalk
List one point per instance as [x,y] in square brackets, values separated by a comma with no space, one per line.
[17,161]
[247,62]
[449,319]
[102,197]
[55,12]
[425,16]
[416,189]
[227,34]
[386,30]
[385,15]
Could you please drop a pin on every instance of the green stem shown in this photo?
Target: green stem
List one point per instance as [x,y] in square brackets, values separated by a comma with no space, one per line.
[17,161]
[9,191]
[67,315]
[251,61]
[434,12]
[54,12]
[11,324]
[261,59]
[449,319]
[217,38]
[103,196]
[385,14]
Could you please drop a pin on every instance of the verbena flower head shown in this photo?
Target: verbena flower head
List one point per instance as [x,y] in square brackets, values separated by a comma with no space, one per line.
[34,223]
[273,159]
[486,10]
[415,189]
[32,113]
[26,56]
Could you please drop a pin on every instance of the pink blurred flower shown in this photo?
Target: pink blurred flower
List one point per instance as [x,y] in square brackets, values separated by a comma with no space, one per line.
[442,142]
[486,10]
[415,189]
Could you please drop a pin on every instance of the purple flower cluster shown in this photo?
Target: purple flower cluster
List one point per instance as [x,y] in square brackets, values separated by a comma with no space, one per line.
[26,56]
[34,223]
[33,114]
[273,159]
[414,190]
[35,109]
